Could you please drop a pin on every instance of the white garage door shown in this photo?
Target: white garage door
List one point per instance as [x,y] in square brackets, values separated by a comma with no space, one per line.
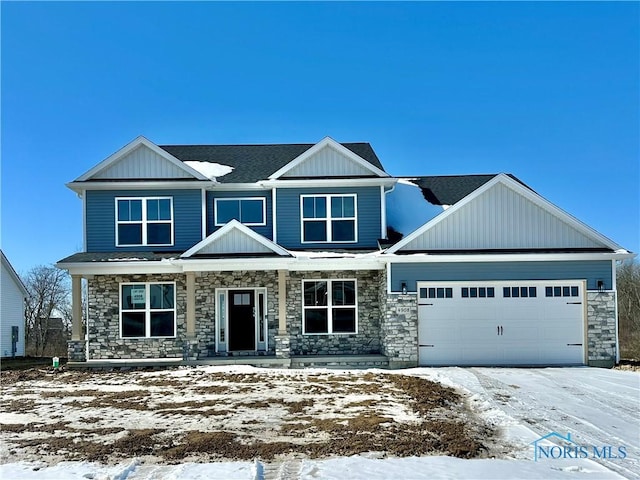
[501,323]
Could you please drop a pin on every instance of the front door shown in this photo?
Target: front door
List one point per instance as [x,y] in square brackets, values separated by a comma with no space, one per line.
[242,322]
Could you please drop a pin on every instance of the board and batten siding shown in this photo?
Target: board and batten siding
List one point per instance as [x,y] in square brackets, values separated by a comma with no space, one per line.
[411,273]
[101,219]
[12,313]
[289,216]
[501,218]
[142,163]
[266,231]
[237,242]
[328,162]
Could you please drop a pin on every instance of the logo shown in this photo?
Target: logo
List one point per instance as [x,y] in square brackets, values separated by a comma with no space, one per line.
[544,449]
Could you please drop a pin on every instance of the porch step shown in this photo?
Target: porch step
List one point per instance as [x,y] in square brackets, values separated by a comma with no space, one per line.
[340,361]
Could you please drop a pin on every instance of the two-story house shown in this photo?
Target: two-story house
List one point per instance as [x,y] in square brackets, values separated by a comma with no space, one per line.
[302,254]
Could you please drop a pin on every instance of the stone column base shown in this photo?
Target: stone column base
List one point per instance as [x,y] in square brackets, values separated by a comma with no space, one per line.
[191,350]
[77,351]
[283,346]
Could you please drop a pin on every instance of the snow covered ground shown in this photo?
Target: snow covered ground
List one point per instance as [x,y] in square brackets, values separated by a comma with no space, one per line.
[597,407]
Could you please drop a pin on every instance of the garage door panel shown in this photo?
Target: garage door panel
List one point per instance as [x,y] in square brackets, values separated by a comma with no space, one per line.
[533,323]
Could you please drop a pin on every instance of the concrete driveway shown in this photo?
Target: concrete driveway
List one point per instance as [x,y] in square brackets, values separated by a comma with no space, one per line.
[600,408]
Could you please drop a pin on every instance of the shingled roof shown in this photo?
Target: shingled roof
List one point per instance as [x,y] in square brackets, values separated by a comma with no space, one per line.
[252,163]
[450,189]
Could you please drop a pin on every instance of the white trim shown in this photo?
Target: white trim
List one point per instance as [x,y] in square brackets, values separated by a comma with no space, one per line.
[144,222]
[116,267]
[327,182]
[502,257]
[327,142]
[328,218]
[147,309]
[329,306]
[203,207]
[522,190]
[128,148]
[383,213]
[235,225]
[84,221]
[80,187]
[274,217]
[614,288]
[240,199]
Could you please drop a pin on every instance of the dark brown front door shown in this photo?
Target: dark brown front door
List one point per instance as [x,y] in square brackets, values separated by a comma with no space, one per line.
[242,323]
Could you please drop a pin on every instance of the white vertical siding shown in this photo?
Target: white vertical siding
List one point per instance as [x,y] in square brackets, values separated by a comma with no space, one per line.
[501,218]
[11,313]
[142,163]
[235,242]
[328,162]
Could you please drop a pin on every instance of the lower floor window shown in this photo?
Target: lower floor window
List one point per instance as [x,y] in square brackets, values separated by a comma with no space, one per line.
[147,310]
[329,306]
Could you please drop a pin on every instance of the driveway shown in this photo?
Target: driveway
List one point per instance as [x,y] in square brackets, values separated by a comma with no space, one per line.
[598,407]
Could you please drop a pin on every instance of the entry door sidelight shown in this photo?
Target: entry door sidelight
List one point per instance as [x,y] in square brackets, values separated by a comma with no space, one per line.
[242,320]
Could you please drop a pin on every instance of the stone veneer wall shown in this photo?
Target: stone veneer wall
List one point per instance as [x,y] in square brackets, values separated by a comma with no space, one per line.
[104,315]
[366,341]
[399,331]
[601,328]
[103,324]
[206,284]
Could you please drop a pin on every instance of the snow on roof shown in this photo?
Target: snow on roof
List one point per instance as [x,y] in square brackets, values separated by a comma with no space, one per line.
[407,209]
[210,169]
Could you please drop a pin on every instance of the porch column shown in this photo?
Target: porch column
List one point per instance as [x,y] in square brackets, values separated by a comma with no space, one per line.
[282,302]
[191,304]
[76,309]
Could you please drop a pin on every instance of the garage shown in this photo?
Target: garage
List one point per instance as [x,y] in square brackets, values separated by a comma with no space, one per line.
[501,323]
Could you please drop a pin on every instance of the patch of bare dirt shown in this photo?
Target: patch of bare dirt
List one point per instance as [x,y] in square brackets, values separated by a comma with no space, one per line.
[202,415]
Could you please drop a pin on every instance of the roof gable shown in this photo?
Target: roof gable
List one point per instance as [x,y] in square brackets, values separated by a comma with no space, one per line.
[141,159]
[235,238]
[503,214]
[325,159]
[254,163]
[6,265]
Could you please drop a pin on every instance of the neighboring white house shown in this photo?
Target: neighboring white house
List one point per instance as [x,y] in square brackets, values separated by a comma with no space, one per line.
[12,298]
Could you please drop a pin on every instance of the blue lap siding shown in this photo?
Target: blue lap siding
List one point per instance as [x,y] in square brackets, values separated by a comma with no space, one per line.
[101,219]
[411,273]
[288,217]
[265,231]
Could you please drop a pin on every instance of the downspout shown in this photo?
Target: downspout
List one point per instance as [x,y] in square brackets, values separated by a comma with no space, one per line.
[614,287]
[383,210]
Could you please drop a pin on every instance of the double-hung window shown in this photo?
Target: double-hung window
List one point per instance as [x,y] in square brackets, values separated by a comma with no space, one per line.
[144,221]
[329,306]
[329,218]
[147,310]
[249,211]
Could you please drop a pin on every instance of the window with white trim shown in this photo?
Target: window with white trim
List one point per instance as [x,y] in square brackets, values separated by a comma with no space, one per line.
[329,218]
[249,211]
[147,310]
[142,221]
[329,306]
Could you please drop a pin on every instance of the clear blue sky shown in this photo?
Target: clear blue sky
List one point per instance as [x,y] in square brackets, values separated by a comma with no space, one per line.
[546,91]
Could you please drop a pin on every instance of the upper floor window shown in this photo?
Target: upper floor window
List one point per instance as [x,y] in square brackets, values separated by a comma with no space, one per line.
[249,211]
[329,218]
[144,221]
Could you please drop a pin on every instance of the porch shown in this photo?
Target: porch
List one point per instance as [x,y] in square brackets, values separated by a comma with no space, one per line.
[262,361]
